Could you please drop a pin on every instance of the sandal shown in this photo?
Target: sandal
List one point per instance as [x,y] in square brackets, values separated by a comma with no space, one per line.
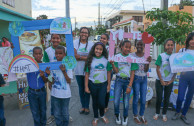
[82,111]
[105,120]
[164,118]
[105,110]
[143,120]
[95,122]
[87,111]
[136,119]
[155,117]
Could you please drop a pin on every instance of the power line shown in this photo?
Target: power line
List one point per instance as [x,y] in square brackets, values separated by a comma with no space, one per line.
[112,7]
[143,6]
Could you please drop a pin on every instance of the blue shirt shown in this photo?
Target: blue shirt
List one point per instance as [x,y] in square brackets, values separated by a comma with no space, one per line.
[35,81]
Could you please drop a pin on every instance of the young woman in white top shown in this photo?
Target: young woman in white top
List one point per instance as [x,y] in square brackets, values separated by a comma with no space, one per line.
[81,48]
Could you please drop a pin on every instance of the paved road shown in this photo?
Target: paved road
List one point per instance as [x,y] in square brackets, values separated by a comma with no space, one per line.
[16,117]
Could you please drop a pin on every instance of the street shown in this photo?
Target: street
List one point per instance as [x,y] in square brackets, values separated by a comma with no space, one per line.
[16,117]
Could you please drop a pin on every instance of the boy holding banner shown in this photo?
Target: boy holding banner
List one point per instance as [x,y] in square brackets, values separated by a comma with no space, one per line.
[2,118]
[37,91]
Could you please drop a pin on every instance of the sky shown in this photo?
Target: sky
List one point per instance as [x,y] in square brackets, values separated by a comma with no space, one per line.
[86,11]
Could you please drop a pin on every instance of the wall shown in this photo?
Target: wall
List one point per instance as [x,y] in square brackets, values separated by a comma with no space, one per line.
[4,30]
[21,6]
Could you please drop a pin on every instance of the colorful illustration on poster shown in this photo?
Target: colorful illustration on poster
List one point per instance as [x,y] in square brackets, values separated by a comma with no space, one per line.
[70,62]
[28,40]
[16,28]
[60,26]
[23,64]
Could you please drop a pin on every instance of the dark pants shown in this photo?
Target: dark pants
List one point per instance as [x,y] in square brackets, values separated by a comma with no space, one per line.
[61,110]
[107,99]
[2,118]
[186,81]
[84,97]
[159,93]
[98,92]
[37,101]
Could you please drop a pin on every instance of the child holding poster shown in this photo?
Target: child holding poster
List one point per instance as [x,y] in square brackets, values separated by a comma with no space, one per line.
[140,84]
[97,79]
[104,39]
[81,49]
[2,117]
[37,91]
[60,89]
[164,81]
[186,82]
[123,83]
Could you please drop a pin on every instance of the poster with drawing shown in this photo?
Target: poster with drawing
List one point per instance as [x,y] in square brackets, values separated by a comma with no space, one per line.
[28,40]
[6,55]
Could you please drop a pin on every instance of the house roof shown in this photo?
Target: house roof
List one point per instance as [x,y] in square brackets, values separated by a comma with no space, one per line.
[122,22]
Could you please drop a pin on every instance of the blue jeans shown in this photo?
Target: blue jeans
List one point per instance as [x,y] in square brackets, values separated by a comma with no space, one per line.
[119,87]
[186,81]
[37,101]
[98,92]
[2,118]
[139,85]
[84,97]
[61,110]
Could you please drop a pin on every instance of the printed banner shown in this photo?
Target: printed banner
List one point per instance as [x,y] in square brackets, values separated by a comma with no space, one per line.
[22,86]
[182,62]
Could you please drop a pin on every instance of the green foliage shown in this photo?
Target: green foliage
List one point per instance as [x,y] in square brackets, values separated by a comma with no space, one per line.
[187,3]
[100,30]
[176,25]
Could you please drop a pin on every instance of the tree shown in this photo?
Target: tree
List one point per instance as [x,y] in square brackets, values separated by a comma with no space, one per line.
[179,25]
[100,30]
[43,16]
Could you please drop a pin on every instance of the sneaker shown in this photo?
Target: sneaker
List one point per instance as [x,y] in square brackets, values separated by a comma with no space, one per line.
[50,120]
[70,119]
[185,120]
[124,121]
[118,119]
[176,116]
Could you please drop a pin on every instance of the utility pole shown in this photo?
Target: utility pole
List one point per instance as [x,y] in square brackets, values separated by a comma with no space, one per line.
[67,9]
[164,5]
[98,14]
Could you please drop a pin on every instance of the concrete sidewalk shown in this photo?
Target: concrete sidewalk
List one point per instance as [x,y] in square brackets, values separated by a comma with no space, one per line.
[16,117]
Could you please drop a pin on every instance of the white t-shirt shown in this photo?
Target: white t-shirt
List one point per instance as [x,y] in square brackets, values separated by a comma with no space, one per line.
[99,68]
[165,70]
[79,69]
[140,71]
[60,88]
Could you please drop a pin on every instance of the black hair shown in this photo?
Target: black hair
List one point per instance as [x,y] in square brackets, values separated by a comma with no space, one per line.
[4,38]
[123,43]
[87,38]
[107,36]
[169,39]
[189,38]
[60,47]
[92,54]
[36,48]
[56,34]
[136,41]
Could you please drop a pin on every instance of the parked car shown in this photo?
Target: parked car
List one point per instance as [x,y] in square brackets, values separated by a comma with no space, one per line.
[97,38]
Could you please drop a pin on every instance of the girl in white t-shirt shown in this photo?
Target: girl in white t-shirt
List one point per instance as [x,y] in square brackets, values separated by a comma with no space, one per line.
[104,39]
[140,84]
[97,79]
[81,49]
[123,83]
[165,78]
[186,81]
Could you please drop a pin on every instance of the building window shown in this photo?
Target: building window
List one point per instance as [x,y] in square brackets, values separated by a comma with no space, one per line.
[138,18]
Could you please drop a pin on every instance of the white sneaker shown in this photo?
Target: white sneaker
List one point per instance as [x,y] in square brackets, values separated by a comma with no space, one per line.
[124,121]
[70,119]
[118,119]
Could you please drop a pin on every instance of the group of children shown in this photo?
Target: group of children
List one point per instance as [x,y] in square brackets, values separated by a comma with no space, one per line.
[93,74]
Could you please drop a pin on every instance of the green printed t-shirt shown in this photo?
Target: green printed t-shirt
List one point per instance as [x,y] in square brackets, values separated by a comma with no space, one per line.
[99,68]
[125,68]
[165,70]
